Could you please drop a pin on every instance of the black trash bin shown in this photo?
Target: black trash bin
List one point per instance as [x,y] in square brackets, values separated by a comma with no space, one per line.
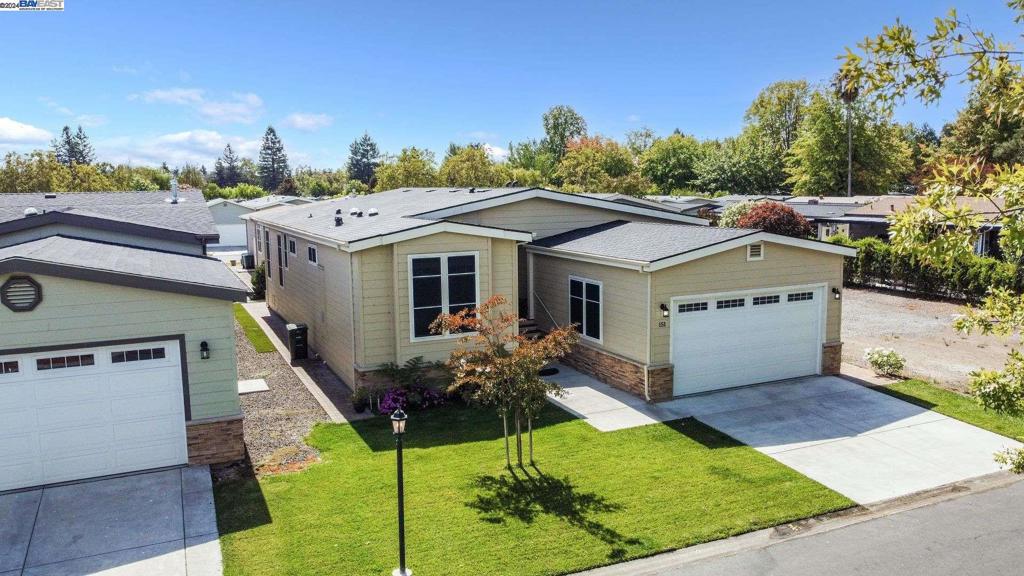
[297,343]
[248,261]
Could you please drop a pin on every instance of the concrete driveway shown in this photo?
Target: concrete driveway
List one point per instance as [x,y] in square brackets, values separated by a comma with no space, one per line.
[861,443]
[153,524]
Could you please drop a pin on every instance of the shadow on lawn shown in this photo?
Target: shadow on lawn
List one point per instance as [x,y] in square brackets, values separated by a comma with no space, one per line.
[238,498]
[702,434]
[449,425]
[524,496]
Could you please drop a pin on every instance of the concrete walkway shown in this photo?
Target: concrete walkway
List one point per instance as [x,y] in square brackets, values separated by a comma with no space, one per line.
[861,443]
[151,524]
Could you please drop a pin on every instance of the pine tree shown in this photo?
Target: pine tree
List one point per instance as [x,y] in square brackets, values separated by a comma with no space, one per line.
[71,149]
[83,149]
[363,159]
[226,171]
[273,165]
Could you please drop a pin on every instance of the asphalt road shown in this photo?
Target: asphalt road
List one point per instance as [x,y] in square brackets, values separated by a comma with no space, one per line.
[978,534]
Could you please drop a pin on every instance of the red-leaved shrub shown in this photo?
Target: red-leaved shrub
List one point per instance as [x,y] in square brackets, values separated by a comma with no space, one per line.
[776,218]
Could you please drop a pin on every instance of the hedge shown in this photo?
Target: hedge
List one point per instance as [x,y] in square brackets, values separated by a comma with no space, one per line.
[877,264]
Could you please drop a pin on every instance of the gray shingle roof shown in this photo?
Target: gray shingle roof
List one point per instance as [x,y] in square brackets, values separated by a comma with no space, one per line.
[138,267]
[189,215]
[272,200]
[640,241]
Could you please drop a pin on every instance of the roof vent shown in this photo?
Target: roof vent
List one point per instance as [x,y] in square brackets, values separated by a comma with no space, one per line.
[337,221]
[31,211]
[21,294]
[49,195]
[812,201]
[338,211]
[472,190]
[353,211]
[174,199]
[372,212]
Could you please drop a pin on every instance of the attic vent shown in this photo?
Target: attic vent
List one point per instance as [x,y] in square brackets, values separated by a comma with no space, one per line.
[49,195]
[755,252]
[21,293]
[372,212]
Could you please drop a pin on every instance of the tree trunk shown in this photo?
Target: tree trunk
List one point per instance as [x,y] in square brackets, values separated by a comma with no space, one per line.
[529,428]
[519,440]
[504,425]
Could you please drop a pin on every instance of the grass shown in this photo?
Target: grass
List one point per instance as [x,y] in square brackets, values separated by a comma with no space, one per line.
[957,406]
[253,332]
[593,498]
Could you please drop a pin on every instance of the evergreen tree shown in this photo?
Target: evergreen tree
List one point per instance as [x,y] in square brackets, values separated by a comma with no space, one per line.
[363,159]
[273,164]
[83,149]
[71,149]
[226,170]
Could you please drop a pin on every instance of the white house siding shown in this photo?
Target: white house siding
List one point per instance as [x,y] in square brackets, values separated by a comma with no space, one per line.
[75,311]
[730,270]
[624,300]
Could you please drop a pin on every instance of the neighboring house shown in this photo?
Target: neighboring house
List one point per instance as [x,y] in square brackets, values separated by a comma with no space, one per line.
[666,305]
[117,351]
[227,215]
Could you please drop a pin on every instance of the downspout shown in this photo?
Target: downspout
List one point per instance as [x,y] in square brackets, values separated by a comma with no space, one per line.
[647,364]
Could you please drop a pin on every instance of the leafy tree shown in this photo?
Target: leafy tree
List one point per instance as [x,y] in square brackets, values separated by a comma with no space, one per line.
[599,165]
[817,161]
[937,230]
[226,170]
[778,111]
[732,214]
[562,125]
[363,159]
[924,148]
[35,171]
[976,133]
[496,366]
[190,175]
[244,191]
[273,164]
[640,140]
[287,187]
[670,163]
[776,218]
[746,164]
[320,183]
[534,157]
[413,167]
[470,166]
[248,172]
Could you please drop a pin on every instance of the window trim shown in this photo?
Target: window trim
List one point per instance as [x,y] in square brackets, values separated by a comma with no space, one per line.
[259,239]
[600,304]
[444,291]
[755,258]
[311,250]
[292,246]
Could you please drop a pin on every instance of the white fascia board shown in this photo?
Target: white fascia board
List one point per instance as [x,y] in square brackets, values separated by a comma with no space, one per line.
[663,214]
[637,265]
[316,238]
[437,228]
[750,239]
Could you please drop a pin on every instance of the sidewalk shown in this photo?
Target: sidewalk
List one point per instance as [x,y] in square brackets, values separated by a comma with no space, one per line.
[329,391]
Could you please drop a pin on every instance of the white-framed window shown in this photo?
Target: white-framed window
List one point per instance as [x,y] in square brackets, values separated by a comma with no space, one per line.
[693,307]
[730,303]
[755,252]
[585,298]
[440,283]
[291,246]
[799,296]
[311,254]
[259,239]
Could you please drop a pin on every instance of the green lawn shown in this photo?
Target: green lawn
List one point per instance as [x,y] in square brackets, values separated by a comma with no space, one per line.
[252,330]
[593,498]
[956,406]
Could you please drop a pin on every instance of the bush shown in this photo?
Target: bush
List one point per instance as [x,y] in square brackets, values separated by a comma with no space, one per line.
[776,218]
[410,398]
[877,264]
[731,215]
[259,281]
[885,361]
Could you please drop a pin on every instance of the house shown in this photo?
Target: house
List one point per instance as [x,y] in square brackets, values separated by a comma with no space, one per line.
[666,305]
[117,348]
[227,213]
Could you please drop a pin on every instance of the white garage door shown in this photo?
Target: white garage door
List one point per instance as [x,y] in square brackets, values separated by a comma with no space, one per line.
[73,414]
[728,340]
[231,234]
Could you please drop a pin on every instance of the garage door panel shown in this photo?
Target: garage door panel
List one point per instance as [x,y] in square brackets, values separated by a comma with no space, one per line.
[745,344]
[79,422]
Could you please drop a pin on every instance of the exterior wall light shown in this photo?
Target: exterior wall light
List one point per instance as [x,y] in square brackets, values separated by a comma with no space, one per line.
[204,350]
[835,293]
[664,310]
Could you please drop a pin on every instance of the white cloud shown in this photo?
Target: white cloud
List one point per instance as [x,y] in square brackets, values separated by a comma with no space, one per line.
[84,120]
[308,122]
[240,108]
[496,153]
[177,148]
[14,132]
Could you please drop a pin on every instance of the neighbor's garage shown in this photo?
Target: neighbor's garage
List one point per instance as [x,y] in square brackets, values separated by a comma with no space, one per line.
[728,340]
[90,411]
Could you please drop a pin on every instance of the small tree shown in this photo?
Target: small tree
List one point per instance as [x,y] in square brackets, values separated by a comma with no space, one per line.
[496,366]
[730,217]
[776,218]
[259,281]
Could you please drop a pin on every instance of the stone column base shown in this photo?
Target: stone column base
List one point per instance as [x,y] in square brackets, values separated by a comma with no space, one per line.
[831,358]
[622,373]
[215,440]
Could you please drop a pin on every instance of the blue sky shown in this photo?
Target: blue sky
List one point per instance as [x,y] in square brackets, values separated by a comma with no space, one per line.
[174,81]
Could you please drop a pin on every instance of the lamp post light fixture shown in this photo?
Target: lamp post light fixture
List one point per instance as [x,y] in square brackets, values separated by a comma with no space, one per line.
[204,350]
[398,419]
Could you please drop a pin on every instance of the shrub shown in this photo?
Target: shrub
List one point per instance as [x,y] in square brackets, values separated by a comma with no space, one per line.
[776,218]
[885,361]
[410,398]
[259,281]
[731,215]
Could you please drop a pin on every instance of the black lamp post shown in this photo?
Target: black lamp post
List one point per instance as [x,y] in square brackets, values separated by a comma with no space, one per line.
[398,427]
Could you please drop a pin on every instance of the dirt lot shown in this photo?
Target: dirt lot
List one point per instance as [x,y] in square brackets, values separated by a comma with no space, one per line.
[921,330]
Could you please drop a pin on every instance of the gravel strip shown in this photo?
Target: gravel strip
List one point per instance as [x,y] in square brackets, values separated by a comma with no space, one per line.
[276,421]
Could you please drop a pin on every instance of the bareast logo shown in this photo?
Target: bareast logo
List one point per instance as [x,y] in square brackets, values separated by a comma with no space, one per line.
[33,5]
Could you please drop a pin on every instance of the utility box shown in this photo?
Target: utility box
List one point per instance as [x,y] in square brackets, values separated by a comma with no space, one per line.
[248,261]
[298,345]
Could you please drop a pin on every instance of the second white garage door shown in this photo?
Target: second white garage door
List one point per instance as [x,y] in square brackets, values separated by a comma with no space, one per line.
[93,411]
[728,340]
